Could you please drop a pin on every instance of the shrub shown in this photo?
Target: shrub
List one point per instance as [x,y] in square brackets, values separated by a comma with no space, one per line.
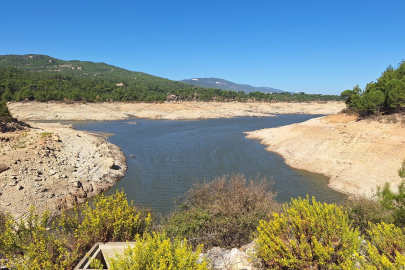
[363,212]
[313,236]
[157,251]
[107,219]
[28,245]
[224,212]
[4,113]
[386,247]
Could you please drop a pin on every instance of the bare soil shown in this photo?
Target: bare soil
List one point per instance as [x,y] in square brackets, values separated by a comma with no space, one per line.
[358,156]
[53,167]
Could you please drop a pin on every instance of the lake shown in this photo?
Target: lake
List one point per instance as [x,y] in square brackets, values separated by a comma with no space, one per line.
[165,158]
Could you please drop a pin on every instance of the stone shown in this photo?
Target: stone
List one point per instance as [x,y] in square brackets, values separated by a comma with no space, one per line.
[110,163]
[19,187]
[3,167]
[77,184]
[13,183]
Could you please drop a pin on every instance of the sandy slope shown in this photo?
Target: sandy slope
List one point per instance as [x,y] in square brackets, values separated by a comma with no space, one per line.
[183,110]
[53,166]
[357,156]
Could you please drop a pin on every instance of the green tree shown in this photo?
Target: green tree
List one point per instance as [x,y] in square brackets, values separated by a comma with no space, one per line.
[396,95]
[394,201]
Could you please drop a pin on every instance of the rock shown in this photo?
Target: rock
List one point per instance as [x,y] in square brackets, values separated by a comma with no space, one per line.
[110,163]
[13,183]
[222,259]
[70,168]
[19,187]
[56,138]
[77,184]
[3,167]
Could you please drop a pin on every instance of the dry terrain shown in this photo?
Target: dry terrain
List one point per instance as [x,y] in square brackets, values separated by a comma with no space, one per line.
[171,111]
[358,156]
[53,166]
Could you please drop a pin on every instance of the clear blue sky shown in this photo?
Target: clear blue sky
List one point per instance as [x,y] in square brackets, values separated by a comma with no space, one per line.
[315,46]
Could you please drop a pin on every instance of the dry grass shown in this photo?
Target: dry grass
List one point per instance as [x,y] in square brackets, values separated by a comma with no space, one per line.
[224,212]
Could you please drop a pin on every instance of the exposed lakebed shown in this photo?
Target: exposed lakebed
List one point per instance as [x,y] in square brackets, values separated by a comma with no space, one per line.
[165,158]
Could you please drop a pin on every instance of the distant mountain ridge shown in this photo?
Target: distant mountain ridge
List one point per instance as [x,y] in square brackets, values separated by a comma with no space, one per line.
[228,85]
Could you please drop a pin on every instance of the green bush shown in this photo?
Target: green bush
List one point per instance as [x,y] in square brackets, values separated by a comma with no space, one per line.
[28,244]
[363,212]
[158,252]
[308,236]
[107,219]
[386,247]
[4,113]
[224,212]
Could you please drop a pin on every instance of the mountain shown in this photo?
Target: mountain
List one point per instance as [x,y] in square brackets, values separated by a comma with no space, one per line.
[227,85]
[43,78]
[50,65]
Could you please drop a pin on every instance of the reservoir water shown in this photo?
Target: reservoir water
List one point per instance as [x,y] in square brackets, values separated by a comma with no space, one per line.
[165,158]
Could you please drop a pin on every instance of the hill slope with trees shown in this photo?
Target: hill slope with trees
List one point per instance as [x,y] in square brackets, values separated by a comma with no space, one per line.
[43,78]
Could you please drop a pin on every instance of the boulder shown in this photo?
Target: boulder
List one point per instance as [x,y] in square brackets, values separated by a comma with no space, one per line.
[110,163]
[3,167]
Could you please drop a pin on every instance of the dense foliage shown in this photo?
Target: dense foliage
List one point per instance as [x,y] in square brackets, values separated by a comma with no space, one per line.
[4,113]
[387,93]
[224,212]
[308,235]
[29,243]
[158,252]
[43,78]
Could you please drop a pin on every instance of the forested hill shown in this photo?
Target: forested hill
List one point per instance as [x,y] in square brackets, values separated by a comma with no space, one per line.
[50,65]
[227,85]
[43,78]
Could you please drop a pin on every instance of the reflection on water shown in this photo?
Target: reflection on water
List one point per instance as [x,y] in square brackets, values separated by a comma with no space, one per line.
[166,157]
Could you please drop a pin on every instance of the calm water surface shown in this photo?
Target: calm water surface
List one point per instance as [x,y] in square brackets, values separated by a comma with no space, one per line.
[169,156]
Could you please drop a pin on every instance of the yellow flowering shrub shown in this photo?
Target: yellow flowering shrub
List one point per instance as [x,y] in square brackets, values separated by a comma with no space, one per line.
[106,219]
[158,252]
[309,235]
[386,247]
[29,245]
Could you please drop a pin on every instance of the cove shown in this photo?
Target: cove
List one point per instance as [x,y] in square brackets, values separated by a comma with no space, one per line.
[166,157]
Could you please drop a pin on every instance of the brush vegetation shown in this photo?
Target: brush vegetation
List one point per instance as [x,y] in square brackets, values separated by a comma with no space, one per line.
[228,212]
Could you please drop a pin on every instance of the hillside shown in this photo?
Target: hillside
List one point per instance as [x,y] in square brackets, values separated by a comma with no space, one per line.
[44,78]
[227,85]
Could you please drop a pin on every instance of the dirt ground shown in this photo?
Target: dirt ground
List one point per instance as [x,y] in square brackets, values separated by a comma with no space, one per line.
[357,155]
[171,111]
[53,166]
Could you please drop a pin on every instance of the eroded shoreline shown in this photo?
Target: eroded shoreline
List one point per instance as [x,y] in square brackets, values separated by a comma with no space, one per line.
[356,156]
[170,111]
[53,167]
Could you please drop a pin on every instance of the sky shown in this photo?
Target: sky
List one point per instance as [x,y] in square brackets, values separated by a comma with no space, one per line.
[312,46]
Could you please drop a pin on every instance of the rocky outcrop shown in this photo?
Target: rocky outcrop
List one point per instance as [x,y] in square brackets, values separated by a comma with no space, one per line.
[234,259]
[358,156]
[53,167]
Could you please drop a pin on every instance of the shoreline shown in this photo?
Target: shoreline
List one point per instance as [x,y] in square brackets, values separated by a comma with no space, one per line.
[166,111]
[52,166]
[355,156]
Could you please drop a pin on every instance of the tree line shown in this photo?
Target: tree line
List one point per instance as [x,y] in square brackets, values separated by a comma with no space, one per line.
[17,85]
[387,93]
[43,78]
